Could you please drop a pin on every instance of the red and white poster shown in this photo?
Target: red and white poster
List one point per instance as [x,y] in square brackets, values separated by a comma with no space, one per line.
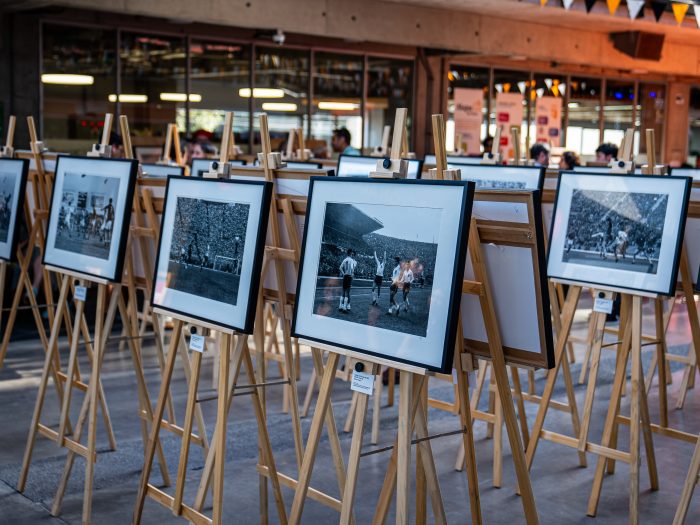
[509,112]
[548,120]
[469,106]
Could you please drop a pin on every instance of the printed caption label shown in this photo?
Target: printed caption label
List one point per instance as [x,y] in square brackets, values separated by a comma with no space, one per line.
[363,383]
[80,293]
[603,305]
[197,343]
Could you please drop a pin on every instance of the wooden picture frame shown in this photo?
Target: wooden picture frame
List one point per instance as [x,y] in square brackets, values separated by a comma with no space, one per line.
[513,246]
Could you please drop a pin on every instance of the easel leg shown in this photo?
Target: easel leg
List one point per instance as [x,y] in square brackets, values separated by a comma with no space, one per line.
[155,424]
[3,274]
[93,394]
[497,443]
[661,358]
[522,415]
[41,395]
[221,427]
[403,458]
[354,458]
[691,481]
[635,415]
[314,438]
[598,326]
[376,409]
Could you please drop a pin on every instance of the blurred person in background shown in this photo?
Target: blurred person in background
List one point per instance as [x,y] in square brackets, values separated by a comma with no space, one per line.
[606,153]
[199,150]
[539,154]
[341,142]
[569,160]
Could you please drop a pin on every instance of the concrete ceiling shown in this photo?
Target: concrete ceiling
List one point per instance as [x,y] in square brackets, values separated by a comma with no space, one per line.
[598,20]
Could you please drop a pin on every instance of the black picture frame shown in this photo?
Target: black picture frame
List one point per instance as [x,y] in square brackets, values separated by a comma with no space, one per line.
[261,233]
[155,170]
[372,163]
[116,276]
[19,217]
[465,168]
[453,303]
[670,290]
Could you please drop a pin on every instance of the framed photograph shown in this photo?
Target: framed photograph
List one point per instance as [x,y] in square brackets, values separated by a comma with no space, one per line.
[13,182]
[211,249]
[618,231]
[162,170]
[516,267]
[382,266]
[453,161]
[356,166]
[492,177]
[89,217]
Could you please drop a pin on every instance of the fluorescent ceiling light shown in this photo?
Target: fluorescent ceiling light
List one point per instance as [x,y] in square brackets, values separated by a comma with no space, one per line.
[128,98]
[279,106]
[68,80]
[332,105]
[261,93]
[180,97]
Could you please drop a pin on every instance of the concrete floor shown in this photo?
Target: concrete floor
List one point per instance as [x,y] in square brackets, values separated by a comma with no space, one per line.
[561,488]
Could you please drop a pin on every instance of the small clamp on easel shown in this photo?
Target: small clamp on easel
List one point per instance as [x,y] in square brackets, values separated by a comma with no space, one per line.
[103,149]
[625,164]
[221,169]
[7,151]
[493,157]
[394,167]
[380,151]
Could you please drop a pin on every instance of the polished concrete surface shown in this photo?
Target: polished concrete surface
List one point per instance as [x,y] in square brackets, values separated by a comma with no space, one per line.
[561,487]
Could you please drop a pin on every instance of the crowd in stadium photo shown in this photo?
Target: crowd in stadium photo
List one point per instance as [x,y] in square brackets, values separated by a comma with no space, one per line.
[616,229]
[374,279]
[87,214]
[207,247]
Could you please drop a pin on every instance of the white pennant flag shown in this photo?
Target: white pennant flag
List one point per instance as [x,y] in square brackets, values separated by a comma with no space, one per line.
[696,10]
[634,7]
[568,4]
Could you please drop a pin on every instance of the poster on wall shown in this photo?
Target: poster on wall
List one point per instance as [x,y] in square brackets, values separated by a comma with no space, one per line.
[548,119]
[509,112]
[469,105]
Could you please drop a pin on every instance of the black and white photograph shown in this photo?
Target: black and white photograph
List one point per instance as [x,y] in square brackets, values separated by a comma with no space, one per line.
[206,249]
[623,231]
[357,166]
[375,270]
[209,257]
[492,177]
[13,178]
[87,213]
[89,218]
[378,270]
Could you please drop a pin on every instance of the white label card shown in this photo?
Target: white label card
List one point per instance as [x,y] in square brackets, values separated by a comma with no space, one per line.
[363,383]
[603,305]
[197,343]
[80,293]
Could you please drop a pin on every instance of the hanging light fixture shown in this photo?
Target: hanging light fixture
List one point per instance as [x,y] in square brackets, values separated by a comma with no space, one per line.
[66,79]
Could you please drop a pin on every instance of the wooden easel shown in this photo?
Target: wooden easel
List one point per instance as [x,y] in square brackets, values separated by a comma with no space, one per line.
[172,138]
[493,156]
[230,360]
[380,151]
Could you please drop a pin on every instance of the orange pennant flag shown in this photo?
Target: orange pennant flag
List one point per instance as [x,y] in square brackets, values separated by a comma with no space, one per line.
[613,5]
[679,11]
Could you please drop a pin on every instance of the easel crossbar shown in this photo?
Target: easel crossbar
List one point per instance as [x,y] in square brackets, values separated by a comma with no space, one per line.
[415,441]
[243,387]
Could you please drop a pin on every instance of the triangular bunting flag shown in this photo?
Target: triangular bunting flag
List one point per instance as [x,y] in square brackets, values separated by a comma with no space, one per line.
[567,4]
[658,8]
[696,10]
[589,5]
[613,5]
[635,7]
[679,11]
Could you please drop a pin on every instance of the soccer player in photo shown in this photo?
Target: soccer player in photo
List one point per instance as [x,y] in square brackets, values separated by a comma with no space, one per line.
[396,275]
[378,277]
[407,279]
[347,271]
[109,221]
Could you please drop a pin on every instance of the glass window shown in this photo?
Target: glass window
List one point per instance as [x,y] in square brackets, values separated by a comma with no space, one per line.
[694,131]
[618,111]
[153,87]
[511,82]
[78,83]
[650,115]
[337,99]
[281,90]
[220,81]
[466,77]
[389,86]
[583,131]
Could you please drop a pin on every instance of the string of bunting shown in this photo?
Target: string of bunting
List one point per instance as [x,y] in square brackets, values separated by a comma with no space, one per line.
[635,8]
